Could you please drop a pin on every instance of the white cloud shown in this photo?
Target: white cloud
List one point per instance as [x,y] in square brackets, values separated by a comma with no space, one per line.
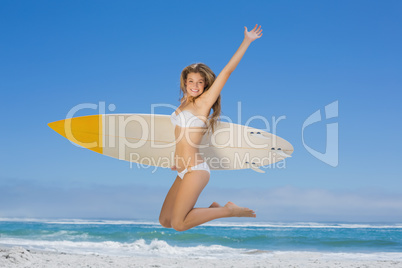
[295,204]
[27,199]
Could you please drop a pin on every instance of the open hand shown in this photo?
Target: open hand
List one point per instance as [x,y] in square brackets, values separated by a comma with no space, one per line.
[253,34]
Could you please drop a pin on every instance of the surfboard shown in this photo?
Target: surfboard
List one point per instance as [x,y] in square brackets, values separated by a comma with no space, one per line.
[148,139]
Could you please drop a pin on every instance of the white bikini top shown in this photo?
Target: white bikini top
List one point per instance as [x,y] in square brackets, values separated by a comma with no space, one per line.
[186,119]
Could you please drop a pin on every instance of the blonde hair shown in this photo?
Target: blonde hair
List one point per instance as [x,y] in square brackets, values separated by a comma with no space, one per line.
[209,77]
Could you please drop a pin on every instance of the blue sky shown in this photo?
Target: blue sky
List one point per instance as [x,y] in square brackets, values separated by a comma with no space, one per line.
[58,54]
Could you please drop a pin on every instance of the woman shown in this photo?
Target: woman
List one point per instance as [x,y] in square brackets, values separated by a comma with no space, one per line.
[201,92]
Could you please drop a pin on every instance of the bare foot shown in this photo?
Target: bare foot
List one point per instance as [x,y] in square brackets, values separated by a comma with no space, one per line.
[236,211]
[215,205]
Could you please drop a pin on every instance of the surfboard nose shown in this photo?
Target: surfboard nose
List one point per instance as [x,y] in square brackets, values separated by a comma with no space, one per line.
[85,131]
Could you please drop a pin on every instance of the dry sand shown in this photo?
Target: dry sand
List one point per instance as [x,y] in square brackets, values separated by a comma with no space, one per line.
[21,257]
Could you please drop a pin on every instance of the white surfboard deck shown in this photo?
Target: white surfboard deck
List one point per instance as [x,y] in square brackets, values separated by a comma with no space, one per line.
[148,139]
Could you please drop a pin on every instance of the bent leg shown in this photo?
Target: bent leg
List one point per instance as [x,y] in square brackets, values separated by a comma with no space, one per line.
[165,216]
[190,188]
[185,216]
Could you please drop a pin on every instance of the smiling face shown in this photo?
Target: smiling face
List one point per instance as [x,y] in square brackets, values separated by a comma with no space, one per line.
[195,84]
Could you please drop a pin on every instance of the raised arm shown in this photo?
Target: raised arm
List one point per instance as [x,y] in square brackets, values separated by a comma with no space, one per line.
[210,96]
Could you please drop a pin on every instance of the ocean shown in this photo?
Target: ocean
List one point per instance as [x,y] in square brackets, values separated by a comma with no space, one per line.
[213,240]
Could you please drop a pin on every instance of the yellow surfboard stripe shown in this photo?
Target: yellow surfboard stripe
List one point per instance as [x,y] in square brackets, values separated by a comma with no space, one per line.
[85,131]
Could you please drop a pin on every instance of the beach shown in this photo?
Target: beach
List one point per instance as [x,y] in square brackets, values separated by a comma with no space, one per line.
[130,243]
[20,257]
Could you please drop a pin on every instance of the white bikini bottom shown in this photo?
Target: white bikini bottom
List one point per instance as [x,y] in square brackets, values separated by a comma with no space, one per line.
[202,166]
